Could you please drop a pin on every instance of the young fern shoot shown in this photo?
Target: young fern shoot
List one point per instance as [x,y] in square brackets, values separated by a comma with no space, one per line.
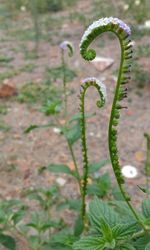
[66,45]
[88,82]
[123,32]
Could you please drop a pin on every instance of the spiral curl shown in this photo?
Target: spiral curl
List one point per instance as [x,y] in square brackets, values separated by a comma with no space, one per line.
[123,32]
[86,83]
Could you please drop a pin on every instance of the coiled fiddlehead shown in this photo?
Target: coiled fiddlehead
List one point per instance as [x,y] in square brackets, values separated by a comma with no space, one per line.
[88,82]
[123,32]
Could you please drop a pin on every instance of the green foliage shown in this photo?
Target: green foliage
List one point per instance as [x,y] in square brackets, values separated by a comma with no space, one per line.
[59,168]
[51,107]
[109,232]
[33,92]
[7,241]
[101,186]
[146,208]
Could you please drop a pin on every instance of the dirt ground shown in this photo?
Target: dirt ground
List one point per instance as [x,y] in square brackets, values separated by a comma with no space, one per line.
[22,154]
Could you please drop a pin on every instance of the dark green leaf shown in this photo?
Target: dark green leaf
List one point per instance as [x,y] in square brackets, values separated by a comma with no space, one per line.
[79,226]
[141,242]
[146,207]
[7,241]
[34,126]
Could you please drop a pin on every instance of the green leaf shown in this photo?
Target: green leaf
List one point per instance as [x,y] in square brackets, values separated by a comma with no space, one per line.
[125,213]
[93,167]
[99,209]
[7,241]
[106,230]
[146,207]
[93,189]
[147,246]
[79,226]
[101,187]
[34,126]
[126,247]
[120,231]
[59,168]
[89,243]
[117,194]
[141,242]
[73,133]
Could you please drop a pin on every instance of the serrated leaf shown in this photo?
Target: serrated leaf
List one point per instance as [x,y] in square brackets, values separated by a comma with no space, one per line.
[99,209]
[59,168]
[146,207]
[89,243]
[141,242]
[126,247]
[106,230]
[120,231]
[147,246]
[95,166]
[125,213]
[7,241]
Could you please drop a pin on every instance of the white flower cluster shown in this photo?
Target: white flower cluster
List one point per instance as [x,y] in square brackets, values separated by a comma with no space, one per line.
[101,85]
[103,22]
[64,45]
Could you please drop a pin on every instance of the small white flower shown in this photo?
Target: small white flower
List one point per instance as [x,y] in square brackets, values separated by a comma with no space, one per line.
[102,86]
[129,171]
[126,6]
[23,8]
[147,24]
[137,2]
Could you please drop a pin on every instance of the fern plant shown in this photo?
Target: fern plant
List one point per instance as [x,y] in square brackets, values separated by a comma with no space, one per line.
[109,231]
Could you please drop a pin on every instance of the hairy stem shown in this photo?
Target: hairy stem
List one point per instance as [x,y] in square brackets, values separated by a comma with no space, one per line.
[88,83]
[123,32]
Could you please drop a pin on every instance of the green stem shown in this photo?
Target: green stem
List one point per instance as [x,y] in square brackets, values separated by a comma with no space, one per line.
[64,85]
[100,103]
[110,137]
